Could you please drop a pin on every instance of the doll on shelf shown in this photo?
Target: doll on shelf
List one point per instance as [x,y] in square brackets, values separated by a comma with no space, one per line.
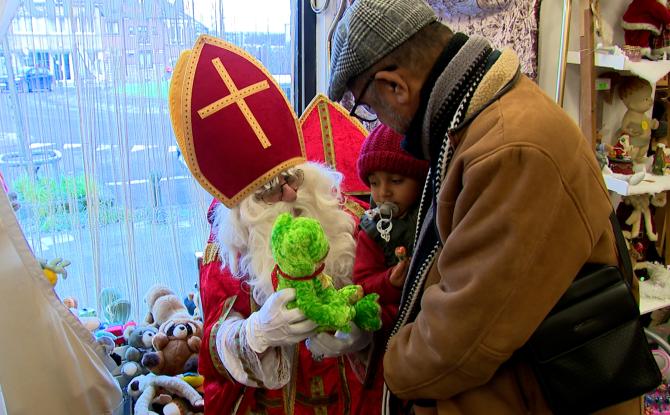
[641,214]
[619,155]
[636,94]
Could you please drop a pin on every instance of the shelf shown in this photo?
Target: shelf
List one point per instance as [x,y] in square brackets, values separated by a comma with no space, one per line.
[652,71]
[650,184]
[647,305]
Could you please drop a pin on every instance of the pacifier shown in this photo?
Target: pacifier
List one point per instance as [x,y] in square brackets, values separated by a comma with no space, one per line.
[384,225]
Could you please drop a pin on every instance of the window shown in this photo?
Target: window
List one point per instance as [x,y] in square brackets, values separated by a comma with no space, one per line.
[113,27]
[142,35]
[176,35]
[145,59]
[86,139]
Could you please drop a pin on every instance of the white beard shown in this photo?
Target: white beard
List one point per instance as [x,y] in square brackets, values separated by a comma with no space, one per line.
[243,232]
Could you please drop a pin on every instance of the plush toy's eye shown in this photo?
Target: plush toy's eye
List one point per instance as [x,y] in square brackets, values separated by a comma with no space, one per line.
[146,338]
[169,328]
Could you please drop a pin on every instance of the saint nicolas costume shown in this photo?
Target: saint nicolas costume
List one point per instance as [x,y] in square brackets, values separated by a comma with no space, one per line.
[237,131]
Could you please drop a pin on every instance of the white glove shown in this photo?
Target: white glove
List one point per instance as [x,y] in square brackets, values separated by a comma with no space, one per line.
[329,345]
[275,325]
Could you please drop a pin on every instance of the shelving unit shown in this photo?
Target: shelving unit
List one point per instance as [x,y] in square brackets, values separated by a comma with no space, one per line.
[651,71]
[593,62]
[650,184]
[647,305]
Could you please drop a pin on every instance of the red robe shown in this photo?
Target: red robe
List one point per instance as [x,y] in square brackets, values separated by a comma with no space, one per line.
[329,386]
[372,274]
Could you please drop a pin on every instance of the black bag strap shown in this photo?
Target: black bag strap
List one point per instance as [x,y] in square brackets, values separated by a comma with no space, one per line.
[622,248]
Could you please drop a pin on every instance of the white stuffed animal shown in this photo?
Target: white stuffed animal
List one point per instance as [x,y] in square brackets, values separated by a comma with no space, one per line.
[145,390]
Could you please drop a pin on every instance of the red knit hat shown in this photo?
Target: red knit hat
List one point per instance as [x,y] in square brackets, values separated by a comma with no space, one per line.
[381,151]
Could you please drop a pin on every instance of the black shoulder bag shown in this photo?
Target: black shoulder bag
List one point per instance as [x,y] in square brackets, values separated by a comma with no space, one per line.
[591,352]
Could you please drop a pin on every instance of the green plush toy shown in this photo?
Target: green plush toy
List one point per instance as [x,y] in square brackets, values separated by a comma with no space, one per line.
[299,247]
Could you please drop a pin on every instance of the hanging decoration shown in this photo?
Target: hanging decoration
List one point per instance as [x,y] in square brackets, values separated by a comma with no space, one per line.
[506,23]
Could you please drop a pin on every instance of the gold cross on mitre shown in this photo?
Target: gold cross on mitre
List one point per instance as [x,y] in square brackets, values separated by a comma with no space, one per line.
[237,96]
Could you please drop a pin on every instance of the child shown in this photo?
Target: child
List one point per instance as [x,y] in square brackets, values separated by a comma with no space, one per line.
[396,180]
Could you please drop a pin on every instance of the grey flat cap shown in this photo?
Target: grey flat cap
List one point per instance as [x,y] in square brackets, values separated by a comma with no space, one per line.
[370,30]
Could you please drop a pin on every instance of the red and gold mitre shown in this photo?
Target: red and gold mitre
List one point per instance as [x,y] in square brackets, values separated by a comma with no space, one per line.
[334,138]
[233,123]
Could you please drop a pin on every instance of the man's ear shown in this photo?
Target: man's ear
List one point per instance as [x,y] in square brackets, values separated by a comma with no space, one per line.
[393,85]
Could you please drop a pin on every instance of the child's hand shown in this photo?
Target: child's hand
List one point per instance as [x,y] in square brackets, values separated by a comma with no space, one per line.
[399,273]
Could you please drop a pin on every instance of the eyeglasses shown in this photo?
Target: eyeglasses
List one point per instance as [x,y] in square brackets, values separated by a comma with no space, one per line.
[274,191]
[363,111]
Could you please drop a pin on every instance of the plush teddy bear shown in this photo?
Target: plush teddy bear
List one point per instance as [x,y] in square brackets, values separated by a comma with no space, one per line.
[179,336]
[299,248]
[163,305]
[166,391]
[139,342]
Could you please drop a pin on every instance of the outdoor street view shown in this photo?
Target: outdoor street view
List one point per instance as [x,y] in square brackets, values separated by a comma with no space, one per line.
[86,141]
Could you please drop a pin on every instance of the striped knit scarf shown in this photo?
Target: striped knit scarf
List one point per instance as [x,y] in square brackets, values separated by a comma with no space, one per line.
[445,110]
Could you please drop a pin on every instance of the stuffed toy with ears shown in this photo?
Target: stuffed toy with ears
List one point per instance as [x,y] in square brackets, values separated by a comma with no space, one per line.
[139,342]
[150,389]
[299,248]
[54,268]
[179,336]
[163,305]
[641,214]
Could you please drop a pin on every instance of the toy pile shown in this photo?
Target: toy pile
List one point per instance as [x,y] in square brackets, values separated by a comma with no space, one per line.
[155,361]
[657,402]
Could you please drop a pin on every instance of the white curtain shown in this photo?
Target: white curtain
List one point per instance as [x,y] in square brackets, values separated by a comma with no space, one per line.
[50,363]
[86,141]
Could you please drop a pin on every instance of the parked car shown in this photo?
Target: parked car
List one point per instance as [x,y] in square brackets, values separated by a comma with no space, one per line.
[30,79]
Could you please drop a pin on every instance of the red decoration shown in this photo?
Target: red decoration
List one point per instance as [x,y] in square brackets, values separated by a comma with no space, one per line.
[334,138]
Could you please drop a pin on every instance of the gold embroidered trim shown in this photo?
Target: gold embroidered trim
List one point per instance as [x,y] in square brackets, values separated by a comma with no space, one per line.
[317,401]
[346,395]
[326,134]
[237,96]
[245,363]
[211,253]
[214,355]
[354,208]
[289,390]
[318,396]
[339,108]
[262,401]
[190,64]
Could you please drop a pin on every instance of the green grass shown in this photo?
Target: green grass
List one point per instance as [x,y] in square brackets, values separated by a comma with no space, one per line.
[52,203]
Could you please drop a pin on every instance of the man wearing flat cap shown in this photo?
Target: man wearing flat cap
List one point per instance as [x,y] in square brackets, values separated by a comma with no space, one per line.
[514,205]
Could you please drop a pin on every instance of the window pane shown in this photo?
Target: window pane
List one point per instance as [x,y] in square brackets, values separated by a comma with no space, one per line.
[86,140]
